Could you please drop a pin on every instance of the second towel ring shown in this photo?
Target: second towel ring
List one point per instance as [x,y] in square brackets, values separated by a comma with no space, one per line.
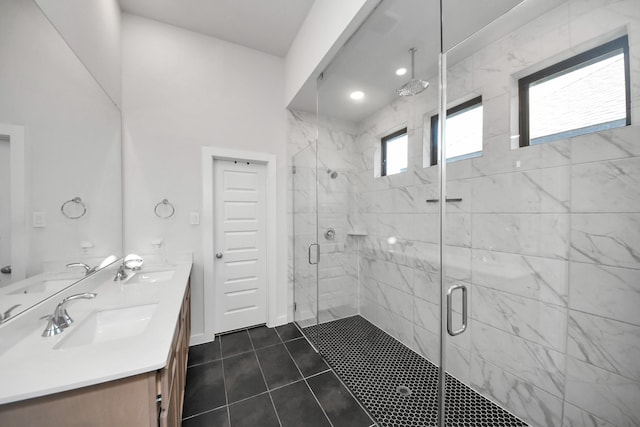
[167,204]
[78,201]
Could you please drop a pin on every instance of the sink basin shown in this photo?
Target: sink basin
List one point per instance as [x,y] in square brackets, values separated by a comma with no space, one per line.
[109,325]
[151,277]
[48,286]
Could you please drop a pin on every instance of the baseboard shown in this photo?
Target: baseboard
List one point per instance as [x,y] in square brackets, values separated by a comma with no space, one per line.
[201,338]
[280,320]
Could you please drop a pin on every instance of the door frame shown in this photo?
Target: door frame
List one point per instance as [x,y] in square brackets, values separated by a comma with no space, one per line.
[17,161]
[209,155]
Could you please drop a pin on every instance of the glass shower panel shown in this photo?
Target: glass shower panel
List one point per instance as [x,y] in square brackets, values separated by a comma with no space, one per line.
[305,268]
[379,270]
[338,266]
[544,236]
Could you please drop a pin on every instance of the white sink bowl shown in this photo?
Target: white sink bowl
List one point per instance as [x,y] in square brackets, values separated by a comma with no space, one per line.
[151,277]
[44,286]
[109,325]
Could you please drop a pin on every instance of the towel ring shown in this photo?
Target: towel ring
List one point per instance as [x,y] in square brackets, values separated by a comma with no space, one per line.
[78,201]
[168,205]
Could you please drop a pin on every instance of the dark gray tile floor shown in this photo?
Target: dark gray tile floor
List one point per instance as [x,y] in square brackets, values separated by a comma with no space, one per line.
[265,377]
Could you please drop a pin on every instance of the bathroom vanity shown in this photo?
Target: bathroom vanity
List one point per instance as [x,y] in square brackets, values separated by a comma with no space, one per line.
[122,362]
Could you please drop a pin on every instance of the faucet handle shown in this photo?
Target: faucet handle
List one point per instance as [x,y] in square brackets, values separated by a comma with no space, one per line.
[87,269]
[121,274]
[84,295]
[61,316]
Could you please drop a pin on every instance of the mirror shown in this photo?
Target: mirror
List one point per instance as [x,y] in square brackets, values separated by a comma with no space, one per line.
[60,157]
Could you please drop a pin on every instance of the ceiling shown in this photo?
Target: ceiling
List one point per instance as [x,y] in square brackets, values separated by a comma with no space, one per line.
[368,60]
[265,25]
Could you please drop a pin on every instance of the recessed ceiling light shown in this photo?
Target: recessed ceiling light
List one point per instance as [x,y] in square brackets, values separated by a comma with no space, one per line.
[401,71]
[357,95]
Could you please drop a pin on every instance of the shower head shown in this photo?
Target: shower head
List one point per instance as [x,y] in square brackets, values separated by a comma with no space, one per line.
[332,174]
[413,86]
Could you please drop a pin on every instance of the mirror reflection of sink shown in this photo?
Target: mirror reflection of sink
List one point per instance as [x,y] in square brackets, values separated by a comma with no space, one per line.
[109,325]
[48,286]
[151,277]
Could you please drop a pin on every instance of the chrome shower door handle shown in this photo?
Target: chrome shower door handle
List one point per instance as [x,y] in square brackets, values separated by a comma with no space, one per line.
[317,253]
[450,310]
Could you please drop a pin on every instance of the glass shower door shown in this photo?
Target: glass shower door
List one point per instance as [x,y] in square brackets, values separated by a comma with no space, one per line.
[379,292]
[305,252]
[541,222]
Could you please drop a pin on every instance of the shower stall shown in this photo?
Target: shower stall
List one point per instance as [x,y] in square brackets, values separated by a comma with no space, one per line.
[483,269]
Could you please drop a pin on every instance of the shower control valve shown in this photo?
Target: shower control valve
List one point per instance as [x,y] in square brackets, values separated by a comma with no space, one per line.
[330,234]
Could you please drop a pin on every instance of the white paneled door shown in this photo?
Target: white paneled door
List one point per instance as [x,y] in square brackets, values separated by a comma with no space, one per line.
[239,243]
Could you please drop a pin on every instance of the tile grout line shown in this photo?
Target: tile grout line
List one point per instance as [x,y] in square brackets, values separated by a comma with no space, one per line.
[305,380]
[224,383]
[331,369]
[273,405]
[218,407]
[203,412]
[365,410]
[316,399]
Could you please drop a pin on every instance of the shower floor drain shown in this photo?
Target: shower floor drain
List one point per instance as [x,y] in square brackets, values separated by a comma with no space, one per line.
[403,390]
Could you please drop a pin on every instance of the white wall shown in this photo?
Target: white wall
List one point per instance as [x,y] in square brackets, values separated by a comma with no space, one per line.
[92,30]
[183,91]
[326,28]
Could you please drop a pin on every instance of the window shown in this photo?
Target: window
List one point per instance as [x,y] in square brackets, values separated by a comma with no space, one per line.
[586,93]
[395,153]
[464,132]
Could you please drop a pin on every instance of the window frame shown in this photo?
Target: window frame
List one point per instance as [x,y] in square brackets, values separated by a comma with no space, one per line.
[585,58]
[453,111]
[384,140]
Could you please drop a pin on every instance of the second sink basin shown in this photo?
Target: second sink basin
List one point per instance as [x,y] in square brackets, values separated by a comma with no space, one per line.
[151,277]
[48,286]
[109,325]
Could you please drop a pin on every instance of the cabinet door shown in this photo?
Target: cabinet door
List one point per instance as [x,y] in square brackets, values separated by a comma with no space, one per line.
[170,415]
[169,405]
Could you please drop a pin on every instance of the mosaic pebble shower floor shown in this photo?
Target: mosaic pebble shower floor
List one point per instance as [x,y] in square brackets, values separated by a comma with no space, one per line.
[396,385]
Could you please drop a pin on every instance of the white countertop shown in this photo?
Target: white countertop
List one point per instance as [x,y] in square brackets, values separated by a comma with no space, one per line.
[31,366]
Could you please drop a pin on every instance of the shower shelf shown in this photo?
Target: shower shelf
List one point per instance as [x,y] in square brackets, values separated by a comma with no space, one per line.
[357,233]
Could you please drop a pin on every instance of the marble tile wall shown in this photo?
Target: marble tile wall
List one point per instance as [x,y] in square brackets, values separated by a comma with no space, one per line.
[318,202]
[546,238]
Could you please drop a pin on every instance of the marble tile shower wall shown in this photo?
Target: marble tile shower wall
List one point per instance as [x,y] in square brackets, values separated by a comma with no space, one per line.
[337,274]
[546,238]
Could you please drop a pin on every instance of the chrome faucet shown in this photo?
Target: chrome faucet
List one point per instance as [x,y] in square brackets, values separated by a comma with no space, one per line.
[87,270]
[132,262]
[121,274]
[60,318]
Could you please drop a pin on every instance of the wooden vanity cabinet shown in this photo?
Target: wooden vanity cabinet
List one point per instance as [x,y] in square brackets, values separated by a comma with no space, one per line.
[150,399]
[172,378]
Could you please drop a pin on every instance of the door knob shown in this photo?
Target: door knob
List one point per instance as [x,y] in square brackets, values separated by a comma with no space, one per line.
[219,255]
